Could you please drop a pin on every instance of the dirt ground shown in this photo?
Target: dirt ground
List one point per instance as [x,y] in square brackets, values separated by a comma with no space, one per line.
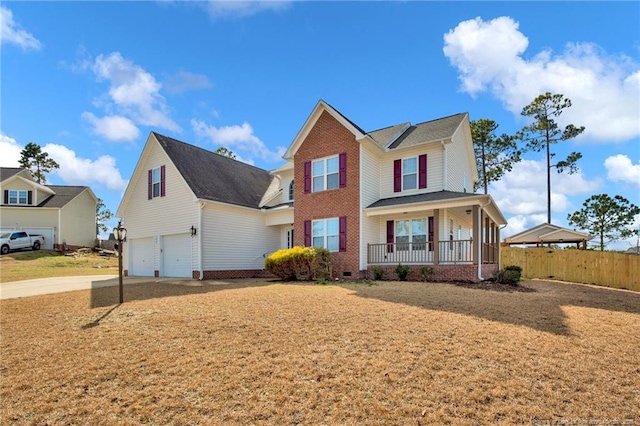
[267,352]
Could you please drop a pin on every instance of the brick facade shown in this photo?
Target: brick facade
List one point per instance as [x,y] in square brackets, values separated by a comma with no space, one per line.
[443,273]
[328,138]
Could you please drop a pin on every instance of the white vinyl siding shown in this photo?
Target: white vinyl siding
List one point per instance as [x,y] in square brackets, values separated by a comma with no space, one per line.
[369,193]
[77,221]
[458,165]
[434,169]
[236,238]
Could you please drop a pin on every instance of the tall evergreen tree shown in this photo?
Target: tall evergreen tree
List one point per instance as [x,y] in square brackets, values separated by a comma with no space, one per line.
[34,159]
[610,219]
[102,215]
[544,131]
[225,152]
[495,155]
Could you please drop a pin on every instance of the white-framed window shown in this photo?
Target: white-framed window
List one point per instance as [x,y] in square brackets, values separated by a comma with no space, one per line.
[291,191]
[325,233]
[411,231]
[155,182]
[18,196]
[325,174]
[409,173]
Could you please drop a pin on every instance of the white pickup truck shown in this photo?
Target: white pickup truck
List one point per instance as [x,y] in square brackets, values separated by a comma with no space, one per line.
[19,240]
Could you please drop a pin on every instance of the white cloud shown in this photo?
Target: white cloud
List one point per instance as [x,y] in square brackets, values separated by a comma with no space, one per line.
[240,9]
[10,151]
[604,89]
[523,190]
[134,91]
[519,223]
[184,81]
[237,138]
[113,127]
[83,171]
[620,169]
[11,33]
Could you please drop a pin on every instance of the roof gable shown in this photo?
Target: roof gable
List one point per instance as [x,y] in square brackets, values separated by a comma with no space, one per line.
[321,107]
[430,131]
[548,233]
[214,177]
[7,172]
[63,195]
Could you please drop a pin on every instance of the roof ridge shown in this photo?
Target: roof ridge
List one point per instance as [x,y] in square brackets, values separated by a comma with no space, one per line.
[438,119]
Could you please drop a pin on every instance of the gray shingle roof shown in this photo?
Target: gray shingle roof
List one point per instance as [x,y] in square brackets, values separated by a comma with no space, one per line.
[215,177]
[421,198]
[429,131]
[63,195]
[7,172]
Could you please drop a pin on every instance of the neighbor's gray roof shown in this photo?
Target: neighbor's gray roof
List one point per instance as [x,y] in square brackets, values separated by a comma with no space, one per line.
[215,177]
[421,198]
[7,172]
[63,195]
[429,131]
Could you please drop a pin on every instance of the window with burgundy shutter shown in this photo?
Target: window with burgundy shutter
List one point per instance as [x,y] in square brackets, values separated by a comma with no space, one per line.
[390,235]
[343,233]
[156,183]
[422,171]
[343,170]
[307,177]
[307,233]
[397,175]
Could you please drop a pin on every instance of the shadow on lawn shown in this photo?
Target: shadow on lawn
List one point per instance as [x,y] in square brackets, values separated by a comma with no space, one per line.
[106,293]
[541,310]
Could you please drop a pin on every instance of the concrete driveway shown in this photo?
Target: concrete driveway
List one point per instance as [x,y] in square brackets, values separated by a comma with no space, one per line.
[39,286]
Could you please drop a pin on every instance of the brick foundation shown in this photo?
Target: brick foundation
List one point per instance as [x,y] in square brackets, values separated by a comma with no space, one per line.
[228,274]
[442,272]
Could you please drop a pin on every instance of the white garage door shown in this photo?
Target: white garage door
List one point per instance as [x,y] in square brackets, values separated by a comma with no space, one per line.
[140,257]
[176,256]
[47,233]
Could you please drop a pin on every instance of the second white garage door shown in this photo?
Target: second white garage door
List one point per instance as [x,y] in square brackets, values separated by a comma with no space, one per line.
[176,256]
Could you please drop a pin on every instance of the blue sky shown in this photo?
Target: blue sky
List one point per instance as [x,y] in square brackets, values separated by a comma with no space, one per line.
[89,80]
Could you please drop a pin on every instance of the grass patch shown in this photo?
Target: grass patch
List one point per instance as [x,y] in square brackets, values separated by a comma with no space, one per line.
[28,265]
[257,352]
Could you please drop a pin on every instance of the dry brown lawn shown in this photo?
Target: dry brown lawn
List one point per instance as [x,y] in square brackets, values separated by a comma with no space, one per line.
[259,352]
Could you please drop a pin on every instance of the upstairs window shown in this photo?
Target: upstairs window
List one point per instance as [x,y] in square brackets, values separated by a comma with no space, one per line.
[326,173]
[156,183]
[291,191]
[17,197]
[410,173]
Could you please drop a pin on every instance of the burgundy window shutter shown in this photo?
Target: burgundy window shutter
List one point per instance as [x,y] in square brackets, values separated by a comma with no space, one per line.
[343,170]
[430,233]
[162,181]
[397,175]
[6,196]
[390,235]
[307,177]
[307,233]
[150,185]
[343,233]
[29,197]
[422,171]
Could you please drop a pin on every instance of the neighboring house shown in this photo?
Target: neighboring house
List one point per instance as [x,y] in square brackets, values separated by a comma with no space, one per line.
[547,233]
[401,194]
[62,214]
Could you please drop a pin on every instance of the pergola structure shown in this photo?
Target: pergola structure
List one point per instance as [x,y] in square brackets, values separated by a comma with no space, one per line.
[547,234]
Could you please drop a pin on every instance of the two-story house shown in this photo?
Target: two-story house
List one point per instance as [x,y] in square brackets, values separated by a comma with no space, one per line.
[62,214]
[400,194]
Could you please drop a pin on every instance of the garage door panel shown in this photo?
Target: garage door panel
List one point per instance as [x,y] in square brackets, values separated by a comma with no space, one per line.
[141,257]
[47,233]
[176,256]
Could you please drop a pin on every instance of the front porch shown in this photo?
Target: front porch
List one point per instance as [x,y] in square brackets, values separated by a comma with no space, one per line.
[432,253]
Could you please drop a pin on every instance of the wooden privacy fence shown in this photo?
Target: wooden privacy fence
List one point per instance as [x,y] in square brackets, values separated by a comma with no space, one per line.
[618,270]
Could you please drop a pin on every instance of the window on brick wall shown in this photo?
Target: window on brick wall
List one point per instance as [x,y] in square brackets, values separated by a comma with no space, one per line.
[325,173]
[328,233]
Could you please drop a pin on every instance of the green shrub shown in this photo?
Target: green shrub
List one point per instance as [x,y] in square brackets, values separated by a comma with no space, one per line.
[509,275]
[378,273]
[402,271]
[299,263]
[427,273]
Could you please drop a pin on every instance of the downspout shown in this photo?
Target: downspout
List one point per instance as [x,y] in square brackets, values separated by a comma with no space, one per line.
[200,262]
[479,239]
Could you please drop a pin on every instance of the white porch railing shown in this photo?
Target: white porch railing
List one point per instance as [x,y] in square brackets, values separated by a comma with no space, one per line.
[454,251]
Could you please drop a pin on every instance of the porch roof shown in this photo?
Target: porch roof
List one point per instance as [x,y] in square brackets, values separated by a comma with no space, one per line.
[435,200]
